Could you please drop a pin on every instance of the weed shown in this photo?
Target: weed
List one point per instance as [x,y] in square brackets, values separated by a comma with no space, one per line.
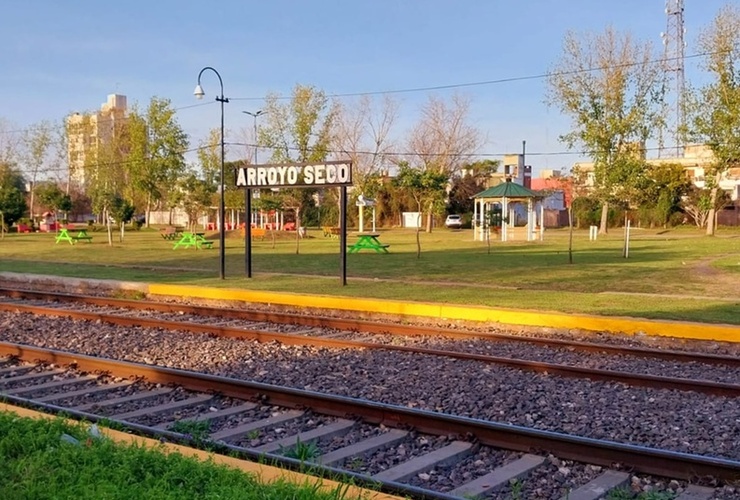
[516,489]
[197,429]
[305,452]
[254,434]
[357,463]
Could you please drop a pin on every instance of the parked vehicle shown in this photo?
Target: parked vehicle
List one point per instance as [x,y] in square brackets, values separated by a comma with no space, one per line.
[453,221]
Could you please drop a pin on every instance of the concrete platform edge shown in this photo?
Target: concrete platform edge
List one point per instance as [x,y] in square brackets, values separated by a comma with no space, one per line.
[483,314]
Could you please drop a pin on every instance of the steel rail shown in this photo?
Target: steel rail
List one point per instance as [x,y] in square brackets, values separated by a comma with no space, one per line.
[633,379]
[373,327]
[606,453]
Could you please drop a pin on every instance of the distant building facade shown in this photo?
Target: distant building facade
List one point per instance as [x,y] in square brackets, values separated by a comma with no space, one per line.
[88,133]
[696,160]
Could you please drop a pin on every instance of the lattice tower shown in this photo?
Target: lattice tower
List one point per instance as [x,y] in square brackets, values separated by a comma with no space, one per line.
[674,52]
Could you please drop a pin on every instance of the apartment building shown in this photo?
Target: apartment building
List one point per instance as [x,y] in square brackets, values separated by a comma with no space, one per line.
[696,159]
[88,133]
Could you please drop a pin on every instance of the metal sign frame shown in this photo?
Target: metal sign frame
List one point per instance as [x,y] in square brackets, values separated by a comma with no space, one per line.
[297,172]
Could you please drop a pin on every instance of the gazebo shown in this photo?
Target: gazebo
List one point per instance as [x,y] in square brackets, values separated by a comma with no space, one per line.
[507,194]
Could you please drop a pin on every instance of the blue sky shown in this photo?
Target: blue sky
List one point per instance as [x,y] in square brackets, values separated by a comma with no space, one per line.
[63,56]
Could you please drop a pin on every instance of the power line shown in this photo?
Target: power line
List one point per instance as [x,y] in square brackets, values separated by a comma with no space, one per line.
[431,155]
[487,82]
[106,120]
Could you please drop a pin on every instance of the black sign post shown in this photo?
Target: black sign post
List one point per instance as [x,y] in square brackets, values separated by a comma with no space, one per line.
[296,175]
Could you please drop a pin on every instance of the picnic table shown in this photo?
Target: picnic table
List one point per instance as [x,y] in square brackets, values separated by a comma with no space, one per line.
[331,232]
[188,239]
[64,235]
[368,241]
[170,232]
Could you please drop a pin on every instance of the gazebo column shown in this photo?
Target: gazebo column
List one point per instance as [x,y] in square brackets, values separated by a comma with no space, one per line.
[504,219]
[475,219]
[530,220]
[542,221]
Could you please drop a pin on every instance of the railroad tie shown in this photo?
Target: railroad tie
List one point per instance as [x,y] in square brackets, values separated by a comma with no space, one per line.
[125,399]
[84,392]
[437,458]
[19,391]
[379,442]
[164,408]
[599,486]
[16,369]
[338,428]
[30,377]
[694,492]
[233,433]
[211,415]
[499,477]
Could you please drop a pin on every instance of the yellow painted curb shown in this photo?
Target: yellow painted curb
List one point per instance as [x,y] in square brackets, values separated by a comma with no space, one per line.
[264,473]
[681,329]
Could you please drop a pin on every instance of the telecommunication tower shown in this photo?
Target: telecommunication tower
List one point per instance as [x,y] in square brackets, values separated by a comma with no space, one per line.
[673,60]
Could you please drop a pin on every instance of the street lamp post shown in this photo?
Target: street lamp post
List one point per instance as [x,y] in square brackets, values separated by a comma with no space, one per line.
[248,204]
[221,207]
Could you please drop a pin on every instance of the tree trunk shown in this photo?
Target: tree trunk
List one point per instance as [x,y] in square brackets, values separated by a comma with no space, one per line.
[603,227]
[297,225]
[418,239]
[570,235]
[711,218]
[429,220]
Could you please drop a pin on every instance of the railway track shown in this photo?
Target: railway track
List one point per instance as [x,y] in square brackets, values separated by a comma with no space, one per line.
[336,435]
[293,329]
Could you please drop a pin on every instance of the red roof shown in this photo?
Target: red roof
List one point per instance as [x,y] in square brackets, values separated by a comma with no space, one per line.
[564,184]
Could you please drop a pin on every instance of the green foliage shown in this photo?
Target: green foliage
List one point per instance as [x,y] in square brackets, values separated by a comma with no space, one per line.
[198,430]
[305,452]
[298,131]
[121,210]
[586,211]
[156,145]
[36,463]
[614,109]
[12,204]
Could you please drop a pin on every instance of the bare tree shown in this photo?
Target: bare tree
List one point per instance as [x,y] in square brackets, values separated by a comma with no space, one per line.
[610,86]
[443,140]
[362,134]
[37,142]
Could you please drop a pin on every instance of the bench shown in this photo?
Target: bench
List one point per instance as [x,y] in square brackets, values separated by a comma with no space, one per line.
[331,232]
[81,238]
[170,233]
[257,232]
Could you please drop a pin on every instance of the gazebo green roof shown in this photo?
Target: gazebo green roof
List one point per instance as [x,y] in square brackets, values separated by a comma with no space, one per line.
[508,190]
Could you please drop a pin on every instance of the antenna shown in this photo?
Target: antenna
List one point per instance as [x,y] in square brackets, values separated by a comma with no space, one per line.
[673,61]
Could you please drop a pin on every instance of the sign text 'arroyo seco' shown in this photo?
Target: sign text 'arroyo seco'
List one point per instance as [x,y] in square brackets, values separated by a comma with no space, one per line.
[330,173]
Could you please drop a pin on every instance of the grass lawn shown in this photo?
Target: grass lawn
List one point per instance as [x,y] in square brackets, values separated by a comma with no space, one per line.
[36,462]
[670,274]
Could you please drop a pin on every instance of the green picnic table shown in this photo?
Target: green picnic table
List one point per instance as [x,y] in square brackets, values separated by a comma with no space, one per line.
[188,239]
[368,241]
[64,235]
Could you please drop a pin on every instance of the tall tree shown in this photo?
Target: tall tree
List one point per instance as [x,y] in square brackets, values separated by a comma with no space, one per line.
[363,135]
[157,146]
[37,142]
[610,86]
[715,108]
[425,186]
[298,131]
[12,200]
[443,139]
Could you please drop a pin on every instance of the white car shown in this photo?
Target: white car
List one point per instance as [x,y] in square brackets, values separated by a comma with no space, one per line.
[453,221]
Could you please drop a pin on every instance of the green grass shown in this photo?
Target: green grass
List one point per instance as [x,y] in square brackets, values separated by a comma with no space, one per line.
[35,462]
[671,274]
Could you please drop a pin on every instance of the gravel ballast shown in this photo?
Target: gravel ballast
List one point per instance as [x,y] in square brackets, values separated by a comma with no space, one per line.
[681,421]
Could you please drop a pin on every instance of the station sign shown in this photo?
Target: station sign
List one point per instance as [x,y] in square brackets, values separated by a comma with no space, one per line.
[295,175]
